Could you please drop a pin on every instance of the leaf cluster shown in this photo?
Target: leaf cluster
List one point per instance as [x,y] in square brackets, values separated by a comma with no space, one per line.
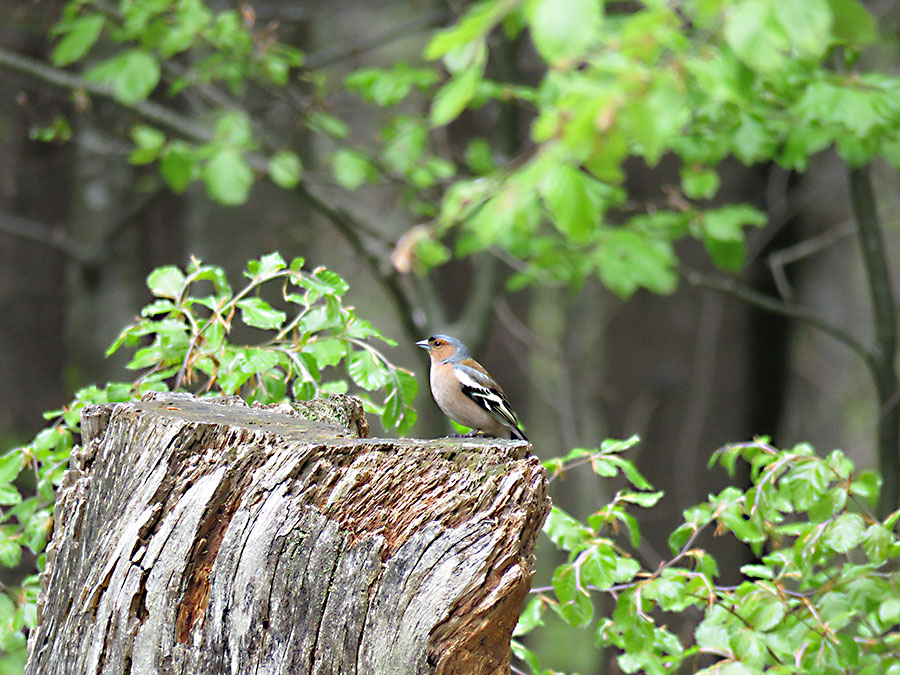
[185,339]
[702,81]
[757,80]
[821,596]
[152,40]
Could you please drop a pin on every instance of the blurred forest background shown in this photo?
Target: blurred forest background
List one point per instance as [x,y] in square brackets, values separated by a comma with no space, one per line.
[687,367]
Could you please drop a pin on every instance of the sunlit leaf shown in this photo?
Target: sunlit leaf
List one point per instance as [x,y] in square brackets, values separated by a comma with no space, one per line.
[80,36]
[258,313]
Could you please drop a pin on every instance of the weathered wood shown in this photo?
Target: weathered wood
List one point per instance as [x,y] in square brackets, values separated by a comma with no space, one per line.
[203,537]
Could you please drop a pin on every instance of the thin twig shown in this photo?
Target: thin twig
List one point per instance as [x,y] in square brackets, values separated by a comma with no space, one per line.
[770,304]
[327,57]
[146,109]
[52,237]
[779,259]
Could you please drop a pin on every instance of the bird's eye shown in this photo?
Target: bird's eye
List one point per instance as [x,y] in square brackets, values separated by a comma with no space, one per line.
[438,343]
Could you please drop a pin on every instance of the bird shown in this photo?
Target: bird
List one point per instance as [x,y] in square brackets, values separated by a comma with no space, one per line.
[465,392]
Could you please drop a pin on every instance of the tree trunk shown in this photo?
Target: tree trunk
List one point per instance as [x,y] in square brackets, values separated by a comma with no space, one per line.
[211,537]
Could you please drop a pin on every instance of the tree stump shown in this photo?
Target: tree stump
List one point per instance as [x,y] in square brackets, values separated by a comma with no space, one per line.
[198,537]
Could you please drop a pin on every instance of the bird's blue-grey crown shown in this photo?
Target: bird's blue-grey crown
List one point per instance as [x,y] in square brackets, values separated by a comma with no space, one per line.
[460,351]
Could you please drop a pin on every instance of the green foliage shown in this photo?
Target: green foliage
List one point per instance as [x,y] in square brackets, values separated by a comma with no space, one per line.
[821,596]
[759,80]
[181,341]
[753,79]
[184,334]
[222,49]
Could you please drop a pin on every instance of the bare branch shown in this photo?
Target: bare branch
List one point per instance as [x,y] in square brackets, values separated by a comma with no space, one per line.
[52,237]
[770,304]
[779,259]
[333,55]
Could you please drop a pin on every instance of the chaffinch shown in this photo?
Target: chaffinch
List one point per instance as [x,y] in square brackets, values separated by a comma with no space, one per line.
[465,392]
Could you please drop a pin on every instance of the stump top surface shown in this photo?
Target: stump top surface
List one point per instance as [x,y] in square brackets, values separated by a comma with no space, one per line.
[288,422]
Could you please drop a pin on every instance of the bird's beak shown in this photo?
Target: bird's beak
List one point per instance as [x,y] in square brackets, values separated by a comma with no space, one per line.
[424,345]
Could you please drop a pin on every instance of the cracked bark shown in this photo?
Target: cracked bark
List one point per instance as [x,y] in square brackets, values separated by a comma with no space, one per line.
[212,537]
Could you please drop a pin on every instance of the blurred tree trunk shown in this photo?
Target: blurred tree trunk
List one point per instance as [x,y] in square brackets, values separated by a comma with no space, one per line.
[210,537]
[34,205]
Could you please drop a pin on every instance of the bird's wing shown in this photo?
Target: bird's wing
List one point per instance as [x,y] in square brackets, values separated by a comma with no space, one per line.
[486,393]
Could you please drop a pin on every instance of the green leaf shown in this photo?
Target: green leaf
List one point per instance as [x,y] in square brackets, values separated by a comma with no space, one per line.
[752,142]
[7,609]
[889,611]
[190,18]
[617,445]
[81,34]
[479,156]
[389,87]
[454,96]
[877,542]
[531,617]
[563,30]
[149,142]
[645,499]
[157,307]
[234,129]
[258,361]
[526,655]
[627,260]
[760,571]
[711,633]
[867,486]
[258,313]
[723,233]
[36,530]
[575,605]
[166,282]
[228,177]
[564,190]
[327,282]
[132,75]
[634,476]
[845,533]
[478,21]
[10,553]
[564,531]
[323,123]
[852,22]
[755,36]
[352,168]
[699,182]
[807,24]
[9,496]
[284,169]
[10,465]
[269,264]
[327,351]
[177,165]
[859,110]
[762,610]
[366,369]
[393,407]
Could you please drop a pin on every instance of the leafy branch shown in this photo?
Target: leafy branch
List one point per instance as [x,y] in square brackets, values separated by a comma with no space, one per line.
[183,339]
[821,595]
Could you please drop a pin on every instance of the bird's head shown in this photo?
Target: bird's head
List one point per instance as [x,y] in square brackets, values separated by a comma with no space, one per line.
[443,348]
